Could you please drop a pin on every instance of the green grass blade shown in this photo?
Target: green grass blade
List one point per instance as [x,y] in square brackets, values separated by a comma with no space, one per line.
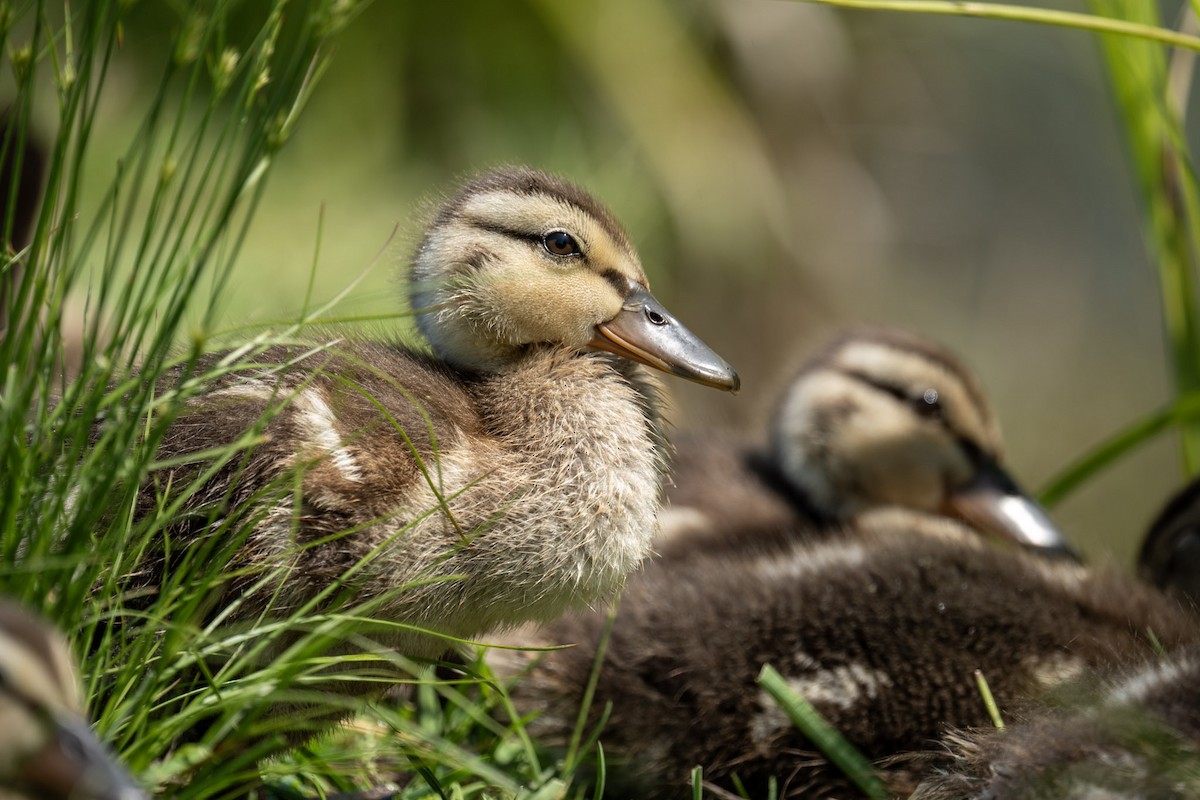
[1116,446]
[989,701]
[1094,23]
[835,747]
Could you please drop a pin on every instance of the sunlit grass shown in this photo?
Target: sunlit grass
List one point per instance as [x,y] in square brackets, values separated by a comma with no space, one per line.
[202,683]
[185,677]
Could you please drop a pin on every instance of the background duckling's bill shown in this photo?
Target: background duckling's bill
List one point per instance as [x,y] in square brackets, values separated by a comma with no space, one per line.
[877,417]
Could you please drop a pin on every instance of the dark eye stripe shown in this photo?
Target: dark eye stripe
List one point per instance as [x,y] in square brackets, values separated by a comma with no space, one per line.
[524,236]
[925,404]
[492,227]
[621,283]
[886,388]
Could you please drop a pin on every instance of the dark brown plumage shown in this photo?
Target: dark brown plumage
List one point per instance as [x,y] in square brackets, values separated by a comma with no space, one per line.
[1170,553]
[880,627]
[1132,734]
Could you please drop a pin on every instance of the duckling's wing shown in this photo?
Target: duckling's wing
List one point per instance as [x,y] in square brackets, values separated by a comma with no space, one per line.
[359,429]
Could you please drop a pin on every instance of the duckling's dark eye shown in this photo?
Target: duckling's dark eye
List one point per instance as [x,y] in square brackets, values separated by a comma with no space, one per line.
[928,404]
[560,243]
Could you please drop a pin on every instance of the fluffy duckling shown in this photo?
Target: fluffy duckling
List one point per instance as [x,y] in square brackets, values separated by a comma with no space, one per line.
[510,475]
[878,417]
[1170,554]
[1137,737]
[880,627]
[47,751]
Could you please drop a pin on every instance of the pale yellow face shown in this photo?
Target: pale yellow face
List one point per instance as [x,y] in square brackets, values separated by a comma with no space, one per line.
[880,423]
[519,258]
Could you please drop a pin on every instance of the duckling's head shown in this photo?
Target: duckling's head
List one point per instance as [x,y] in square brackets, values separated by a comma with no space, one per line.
[520,258]
[47,750]
[883,417]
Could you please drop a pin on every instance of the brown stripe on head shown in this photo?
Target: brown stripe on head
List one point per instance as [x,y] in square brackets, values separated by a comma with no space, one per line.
[907,341]
[522,180]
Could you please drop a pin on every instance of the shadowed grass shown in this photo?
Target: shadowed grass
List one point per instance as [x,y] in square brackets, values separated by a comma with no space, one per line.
[183,677]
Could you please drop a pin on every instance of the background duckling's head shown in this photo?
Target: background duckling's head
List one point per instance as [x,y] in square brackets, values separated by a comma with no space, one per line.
[883,417]
[47,750]
[520,258]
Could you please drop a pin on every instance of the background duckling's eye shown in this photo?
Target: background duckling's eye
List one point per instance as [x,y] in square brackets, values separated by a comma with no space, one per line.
[560,243]
[928,404]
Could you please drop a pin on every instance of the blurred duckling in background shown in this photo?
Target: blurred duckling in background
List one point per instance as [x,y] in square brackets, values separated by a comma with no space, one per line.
[880,627]
[511,475]
[47,750]
[876,418]
[1137,737]
[1170,554]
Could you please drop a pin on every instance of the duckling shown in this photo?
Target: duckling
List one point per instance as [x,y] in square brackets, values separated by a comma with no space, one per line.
[510,475]
[1136,738]
[877,417]
[47,751]
[1170,554]
[880,627]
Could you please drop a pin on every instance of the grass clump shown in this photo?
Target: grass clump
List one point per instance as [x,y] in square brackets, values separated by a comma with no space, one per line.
[201,681]
[183,678]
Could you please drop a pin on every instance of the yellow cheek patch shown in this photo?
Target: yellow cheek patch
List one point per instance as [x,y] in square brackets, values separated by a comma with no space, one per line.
[539,306]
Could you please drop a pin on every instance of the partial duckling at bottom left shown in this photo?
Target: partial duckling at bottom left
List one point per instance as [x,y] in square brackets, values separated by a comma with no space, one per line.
[881,628]
[47,749]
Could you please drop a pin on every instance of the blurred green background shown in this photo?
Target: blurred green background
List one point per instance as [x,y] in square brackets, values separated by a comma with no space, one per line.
[786,170]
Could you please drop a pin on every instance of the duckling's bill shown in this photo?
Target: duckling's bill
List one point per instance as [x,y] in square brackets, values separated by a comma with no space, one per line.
[647,333]
[993,502]
[75,765]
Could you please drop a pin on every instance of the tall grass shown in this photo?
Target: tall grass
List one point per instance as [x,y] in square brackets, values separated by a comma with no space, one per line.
[202,684]
[180,691]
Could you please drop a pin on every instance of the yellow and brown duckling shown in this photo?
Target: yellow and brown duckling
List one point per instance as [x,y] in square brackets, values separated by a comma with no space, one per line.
[876,418]
[512,474]
[47,750]
[1132,734]
[880,627]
